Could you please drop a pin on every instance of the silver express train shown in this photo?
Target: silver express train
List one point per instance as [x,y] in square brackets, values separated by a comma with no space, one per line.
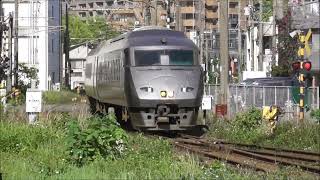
[150,77]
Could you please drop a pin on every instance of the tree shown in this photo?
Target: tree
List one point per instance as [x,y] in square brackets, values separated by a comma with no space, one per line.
[89,29]
[287,47]
[25,75]
[4,65]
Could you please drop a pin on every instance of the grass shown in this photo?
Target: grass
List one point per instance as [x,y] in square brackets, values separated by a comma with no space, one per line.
[59,97]
[40,152]
[288,135]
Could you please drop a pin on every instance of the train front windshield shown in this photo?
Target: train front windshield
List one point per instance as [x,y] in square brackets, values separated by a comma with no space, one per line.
[164,57]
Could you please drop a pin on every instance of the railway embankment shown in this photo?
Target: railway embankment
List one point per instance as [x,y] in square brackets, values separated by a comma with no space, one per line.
[97,148]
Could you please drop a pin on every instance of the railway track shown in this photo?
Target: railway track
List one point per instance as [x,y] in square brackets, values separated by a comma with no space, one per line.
[265,159]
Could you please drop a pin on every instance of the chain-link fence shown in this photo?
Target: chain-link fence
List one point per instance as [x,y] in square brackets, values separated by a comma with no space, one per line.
[244,97]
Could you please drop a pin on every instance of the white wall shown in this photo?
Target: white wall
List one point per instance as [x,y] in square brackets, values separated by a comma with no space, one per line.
[35,37]
[267,53]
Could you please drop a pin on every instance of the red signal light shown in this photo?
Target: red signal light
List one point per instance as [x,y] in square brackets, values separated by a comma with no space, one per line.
[296,66]
[307,65]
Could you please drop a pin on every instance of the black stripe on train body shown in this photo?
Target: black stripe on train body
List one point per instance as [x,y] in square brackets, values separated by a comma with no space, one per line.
[152,74]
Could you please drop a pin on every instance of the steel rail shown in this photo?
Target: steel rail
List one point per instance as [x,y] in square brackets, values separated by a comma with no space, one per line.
[265,154]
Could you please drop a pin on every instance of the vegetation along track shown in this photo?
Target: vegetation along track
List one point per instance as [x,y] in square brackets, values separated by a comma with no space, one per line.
[260,158]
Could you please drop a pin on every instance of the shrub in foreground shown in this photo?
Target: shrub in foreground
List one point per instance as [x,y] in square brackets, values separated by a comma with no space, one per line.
[103,137]
[316,114]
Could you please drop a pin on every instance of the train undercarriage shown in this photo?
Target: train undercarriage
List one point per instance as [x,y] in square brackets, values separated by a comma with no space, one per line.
[164,117]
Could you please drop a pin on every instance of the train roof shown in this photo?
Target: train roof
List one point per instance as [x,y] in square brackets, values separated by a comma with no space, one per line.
[146,36]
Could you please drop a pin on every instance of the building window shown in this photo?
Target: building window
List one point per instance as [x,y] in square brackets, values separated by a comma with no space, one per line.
[82,14]
[52,77]
[76,64]
[76,74]
[233,4]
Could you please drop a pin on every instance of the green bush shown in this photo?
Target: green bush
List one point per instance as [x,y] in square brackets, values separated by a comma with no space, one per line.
[248,120]
[103,137]
[316,114]
[248,127]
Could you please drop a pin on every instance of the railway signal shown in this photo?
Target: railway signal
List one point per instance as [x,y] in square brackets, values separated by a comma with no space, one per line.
[296,66]
[305,67]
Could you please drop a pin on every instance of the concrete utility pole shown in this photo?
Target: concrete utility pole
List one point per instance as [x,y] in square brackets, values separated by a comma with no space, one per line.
[201,31]
[168,2]
[239,44]
[1,27]
[178,16]
[9,78]
[148,14]
[251,28]
[274,31]
[224,50]
[154,13]
[16,46]
[67,64]
[260,66]
[207,59]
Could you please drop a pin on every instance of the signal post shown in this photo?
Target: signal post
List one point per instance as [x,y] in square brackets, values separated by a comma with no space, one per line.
[302,66]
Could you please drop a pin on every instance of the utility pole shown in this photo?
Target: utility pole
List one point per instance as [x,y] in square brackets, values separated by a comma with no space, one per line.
[168,13]
[274,37]
[154,14]
[201,32]
[178,16]
[9,78]
[224,50]
[148,13]
[67,64]
[251,28]
[1,27]
[207,59]
[16,46]
[260,66]
[239,44]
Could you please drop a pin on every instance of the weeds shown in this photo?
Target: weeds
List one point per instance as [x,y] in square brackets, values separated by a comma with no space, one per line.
[316,114]
[248,128]
[102,138]
[41,151]
[59,97]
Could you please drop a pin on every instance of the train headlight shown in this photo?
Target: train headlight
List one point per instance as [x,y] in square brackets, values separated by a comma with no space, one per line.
[170,94]
[163,93]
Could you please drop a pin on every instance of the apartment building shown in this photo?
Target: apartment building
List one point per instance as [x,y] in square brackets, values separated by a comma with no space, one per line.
[123,15]
[39,32]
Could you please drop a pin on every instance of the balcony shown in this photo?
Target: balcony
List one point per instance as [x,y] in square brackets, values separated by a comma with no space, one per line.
[185,10]
[189,22]
[211,15]
[211,2]
[123,11]
[233,10]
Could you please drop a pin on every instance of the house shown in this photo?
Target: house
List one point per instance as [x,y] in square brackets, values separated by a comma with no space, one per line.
[77,58]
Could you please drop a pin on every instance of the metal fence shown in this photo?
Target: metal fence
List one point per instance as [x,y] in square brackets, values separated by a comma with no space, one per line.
[244,97]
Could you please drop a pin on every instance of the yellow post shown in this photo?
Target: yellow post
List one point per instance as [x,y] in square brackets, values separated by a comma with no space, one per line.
[304,51]
[301,104]
[301,77]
